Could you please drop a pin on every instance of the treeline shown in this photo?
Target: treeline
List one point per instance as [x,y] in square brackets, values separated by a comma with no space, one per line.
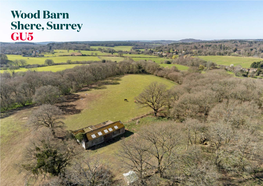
[23,88]
[258,64]
[198,65]
[213,135]
[223,48]
[25,49]
[35,50]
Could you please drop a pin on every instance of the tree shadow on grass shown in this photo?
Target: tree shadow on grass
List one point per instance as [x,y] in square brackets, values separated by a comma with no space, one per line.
[69,109]
[112,141]
[102,84]
[8,113]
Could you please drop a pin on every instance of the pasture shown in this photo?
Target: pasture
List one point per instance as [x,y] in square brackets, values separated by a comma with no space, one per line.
[57,59]
[117,48]
[69,52]
[159,60]
[107,101]
[118,59]
[53,68]
[179,67]
[245,62]
[139,56]
[154,59]
[102,103]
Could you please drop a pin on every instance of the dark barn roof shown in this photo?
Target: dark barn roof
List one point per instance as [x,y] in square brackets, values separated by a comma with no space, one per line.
[102,129]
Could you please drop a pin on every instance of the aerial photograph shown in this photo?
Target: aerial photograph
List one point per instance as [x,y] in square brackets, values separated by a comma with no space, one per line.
[129,92]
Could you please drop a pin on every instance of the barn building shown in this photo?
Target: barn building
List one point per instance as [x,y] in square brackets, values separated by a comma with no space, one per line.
[97,134]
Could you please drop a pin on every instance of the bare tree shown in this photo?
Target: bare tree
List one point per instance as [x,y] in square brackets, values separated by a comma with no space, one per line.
[195,129]
[164,139]
[153,96]
[135,156]
[47,95]
[153,150]
[89,172]
[194,169]
[46,116]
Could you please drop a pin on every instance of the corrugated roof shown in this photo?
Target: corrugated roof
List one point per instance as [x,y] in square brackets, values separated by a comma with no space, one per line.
[103,130]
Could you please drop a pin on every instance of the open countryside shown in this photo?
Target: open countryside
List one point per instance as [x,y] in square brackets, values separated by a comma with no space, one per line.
[245,62]
[164,93]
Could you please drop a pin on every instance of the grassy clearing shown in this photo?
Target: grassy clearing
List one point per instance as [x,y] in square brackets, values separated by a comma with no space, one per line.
[159,60]
[245,62]
[154,59]
[13,142]
[180,67]
[54,68]
[123,48]
[118,59]
[59,59]
[66,52]
[139,56]
[107,103]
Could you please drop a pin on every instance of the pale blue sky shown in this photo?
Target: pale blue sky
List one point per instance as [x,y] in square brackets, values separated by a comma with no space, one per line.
[142,20]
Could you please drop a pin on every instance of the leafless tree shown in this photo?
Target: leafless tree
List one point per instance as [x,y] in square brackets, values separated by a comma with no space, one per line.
[195,129]
[194,169]
[89,172]
[47,95]
[164,139]
[135,156]
[47,116]
[154,148]
[153,96]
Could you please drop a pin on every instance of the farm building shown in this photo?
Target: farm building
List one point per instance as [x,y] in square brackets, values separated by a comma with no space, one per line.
[97,134]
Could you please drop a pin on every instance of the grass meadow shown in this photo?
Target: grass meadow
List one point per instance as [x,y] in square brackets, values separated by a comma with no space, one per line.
[53,68]
[179,67]
[66,52]
[159,60]
[117,48]
[57,59]
[107,102]
[118,59]
[245,62]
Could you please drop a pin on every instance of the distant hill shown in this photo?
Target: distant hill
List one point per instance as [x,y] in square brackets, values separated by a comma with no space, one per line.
[190,40]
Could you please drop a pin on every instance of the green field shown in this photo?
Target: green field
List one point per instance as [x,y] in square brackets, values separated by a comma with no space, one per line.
[58,59]
[159,60]
[180,67]
[139,56]
[123,48]
[53,68]
[118,59]
[108,102]
[66,52]
[154,59]
[245,62]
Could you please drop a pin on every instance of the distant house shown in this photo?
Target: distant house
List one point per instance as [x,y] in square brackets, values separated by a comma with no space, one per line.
[97,134]
[252,70]
[76,54]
